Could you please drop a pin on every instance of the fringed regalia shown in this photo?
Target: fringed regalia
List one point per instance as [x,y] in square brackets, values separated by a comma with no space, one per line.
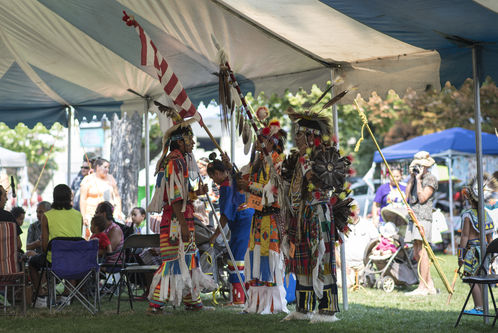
[312,231]
[264,264]
[239,216]
[317,210]
[472,257]
[179,277]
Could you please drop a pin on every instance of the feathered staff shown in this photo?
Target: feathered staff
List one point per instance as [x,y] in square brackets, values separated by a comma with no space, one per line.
[150,56]
[427,247]
[227,72]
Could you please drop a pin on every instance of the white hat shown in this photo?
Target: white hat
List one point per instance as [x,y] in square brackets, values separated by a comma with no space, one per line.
[422,158]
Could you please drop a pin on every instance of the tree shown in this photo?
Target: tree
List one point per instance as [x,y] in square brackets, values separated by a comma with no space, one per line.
[155,140]
[39,144]
[125,152]
[349,121]
[432,111]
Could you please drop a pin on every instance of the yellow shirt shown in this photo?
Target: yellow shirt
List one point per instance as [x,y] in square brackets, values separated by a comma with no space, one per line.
[63,223]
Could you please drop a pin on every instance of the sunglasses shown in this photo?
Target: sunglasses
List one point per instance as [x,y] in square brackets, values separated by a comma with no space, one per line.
[85,167]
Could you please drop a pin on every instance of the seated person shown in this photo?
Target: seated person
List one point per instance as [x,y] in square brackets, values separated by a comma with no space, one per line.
[19,214]
[138,216]
[112,230]
[6,216]
[33,242]
[97,227]
[60,221]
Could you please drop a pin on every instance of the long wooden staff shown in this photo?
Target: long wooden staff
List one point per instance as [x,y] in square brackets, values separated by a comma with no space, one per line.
[427,247]
[457,271]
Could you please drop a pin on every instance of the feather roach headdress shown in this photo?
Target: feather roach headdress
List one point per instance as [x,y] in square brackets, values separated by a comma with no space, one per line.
[180,129]
[489,186]
[314,121]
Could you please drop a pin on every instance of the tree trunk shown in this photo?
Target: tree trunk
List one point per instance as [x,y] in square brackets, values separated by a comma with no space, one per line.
[125,156]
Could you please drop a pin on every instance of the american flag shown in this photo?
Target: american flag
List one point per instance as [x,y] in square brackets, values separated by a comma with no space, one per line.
[150,56]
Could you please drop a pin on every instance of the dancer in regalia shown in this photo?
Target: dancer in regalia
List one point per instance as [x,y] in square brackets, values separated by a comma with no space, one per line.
[179,278]
[235,212]
[318,209]
[264,265]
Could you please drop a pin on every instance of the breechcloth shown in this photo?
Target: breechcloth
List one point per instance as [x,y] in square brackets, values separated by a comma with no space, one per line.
[314,261]
[472,257]
[170,267]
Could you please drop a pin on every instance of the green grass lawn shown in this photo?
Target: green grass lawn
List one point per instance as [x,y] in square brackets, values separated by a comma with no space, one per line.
[369,310]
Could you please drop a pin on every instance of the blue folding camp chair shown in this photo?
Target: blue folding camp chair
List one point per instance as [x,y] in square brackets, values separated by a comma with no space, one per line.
[74,259]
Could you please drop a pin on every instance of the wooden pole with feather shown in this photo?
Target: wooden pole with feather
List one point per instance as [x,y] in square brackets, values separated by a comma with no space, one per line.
[457,271]
[226,69]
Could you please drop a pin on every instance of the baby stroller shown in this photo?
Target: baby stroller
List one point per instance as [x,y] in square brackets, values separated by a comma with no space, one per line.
[388,260]
[213,259]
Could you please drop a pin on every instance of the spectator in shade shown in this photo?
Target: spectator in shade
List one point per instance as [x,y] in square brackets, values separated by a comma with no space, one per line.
[19,214]
[98,225]
[33,242]
[60,221]
[138,218]
[75,185]
[112,230]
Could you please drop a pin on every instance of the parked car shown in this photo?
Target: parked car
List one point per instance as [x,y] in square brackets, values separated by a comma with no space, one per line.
[364,193]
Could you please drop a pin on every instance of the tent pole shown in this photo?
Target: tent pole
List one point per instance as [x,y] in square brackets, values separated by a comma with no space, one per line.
[147,161]
[477,117]
[232,136]
[450,194]
[344,277]
[69,122]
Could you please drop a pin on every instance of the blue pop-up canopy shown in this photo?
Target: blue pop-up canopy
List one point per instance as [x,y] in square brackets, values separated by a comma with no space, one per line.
[454,140]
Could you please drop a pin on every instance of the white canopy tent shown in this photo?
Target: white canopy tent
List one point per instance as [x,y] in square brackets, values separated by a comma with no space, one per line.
[59,53]
[80,54]
[12,159]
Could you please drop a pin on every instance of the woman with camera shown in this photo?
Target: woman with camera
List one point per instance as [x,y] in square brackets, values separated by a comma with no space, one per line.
[420,192]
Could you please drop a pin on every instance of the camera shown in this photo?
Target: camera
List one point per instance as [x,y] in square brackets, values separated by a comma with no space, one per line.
[415,169]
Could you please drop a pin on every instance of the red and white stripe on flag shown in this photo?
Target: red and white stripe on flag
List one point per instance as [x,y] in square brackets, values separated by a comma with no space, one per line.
[150,56]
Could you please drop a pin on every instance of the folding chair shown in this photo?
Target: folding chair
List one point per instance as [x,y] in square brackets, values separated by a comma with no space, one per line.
[11,273]
[74,259]
[483,278]
[111,269]
[131,243]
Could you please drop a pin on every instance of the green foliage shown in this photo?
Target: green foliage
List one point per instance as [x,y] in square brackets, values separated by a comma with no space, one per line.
[349,122]
[394,119]
[36,143]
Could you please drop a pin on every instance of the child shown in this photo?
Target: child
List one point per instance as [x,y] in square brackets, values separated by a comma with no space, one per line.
[97,227]
[233,211]
[139,223]
[469,252]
